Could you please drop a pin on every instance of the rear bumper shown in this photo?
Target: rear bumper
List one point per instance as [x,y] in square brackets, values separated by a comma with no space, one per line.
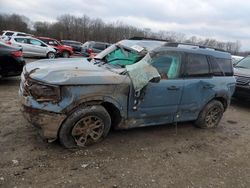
[47,122]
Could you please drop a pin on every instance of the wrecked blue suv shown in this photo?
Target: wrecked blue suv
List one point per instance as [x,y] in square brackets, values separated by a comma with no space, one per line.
[133,83]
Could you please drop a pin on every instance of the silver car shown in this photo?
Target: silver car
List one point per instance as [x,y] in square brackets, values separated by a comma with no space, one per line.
[33,47]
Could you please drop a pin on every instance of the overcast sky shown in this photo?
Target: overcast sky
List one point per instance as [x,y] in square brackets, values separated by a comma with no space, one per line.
[220,19]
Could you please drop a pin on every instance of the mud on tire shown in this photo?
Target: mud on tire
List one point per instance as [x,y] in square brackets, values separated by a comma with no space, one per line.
[211,115]
[85,126]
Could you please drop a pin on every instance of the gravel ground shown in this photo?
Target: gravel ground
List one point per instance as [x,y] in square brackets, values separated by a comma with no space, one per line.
[156,156]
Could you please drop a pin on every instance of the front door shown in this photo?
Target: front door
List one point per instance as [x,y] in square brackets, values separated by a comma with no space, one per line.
[37,48]
[160,101]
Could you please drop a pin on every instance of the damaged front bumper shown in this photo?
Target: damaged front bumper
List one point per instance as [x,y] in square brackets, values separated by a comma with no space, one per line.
[48,122]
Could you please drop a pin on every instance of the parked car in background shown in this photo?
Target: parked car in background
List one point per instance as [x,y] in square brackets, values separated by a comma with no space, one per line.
[133,83]
[33,47]
[236,59]
[7,34]
[11,60]
[61,50]
[242,75]
[91,48]
[77,46]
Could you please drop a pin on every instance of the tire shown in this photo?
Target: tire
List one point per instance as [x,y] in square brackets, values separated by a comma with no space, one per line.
[51,55]
[65,54]
[85,126]
[211,115]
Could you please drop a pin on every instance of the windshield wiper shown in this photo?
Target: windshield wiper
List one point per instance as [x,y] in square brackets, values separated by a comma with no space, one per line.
[241,67]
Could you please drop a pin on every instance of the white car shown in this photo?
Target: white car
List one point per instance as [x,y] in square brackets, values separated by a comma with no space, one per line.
[236,59]
[33,47]
[7,33]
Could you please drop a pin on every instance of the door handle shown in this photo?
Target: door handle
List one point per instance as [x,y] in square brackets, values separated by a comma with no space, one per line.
[173,88]
[208,86]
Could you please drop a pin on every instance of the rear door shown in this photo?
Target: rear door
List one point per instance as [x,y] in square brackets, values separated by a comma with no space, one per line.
[24,43]
[160,100]
[199,86]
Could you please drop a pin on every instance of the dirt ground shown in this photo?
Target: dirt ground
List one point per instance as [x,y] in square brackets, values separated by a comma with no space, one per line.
[144,157]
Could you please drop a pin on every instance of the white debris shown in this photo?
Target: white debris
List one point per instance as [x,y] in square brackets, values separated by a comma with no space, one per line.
[2,178]
[84,165]
[15,161]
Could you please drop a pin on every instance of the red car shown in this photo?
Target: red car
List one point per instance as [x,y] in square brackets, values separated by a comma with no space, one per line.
[62,50]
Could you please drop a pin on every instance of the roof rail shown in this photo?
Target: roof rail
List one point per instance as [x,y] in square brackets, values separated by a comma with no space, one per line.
[175,44]
[147,38]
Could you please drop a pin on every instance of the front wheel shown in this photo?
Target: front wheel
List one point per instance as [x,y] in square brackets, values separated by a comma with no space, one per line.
[211,115]
[51,55]
[85,126]
[65,54]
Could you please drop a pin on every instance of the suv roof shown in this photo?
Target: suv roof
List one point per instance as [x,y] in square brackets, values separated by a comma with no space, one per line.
[193,48]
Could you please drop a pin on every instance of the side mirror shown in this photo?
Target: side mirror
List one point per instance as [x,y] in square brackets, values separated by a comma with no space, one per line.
[156,79]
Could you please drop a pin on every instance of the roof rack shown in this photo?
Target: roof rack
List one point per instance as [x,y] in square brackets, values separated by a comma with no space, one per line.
[175,44]
[147,38]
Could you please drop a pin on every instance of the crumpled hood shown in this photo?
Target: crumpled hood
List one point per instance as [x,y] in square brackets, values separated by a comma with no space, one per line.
[73,71]
[242,72]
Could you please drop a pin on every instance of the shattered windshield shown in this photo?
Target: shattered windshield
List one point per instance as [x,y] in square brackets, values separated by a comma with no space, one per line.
[127,52]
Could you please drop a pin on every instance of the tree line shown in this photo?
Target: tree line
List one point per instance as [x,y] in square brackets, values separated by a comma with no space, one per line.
[85,28]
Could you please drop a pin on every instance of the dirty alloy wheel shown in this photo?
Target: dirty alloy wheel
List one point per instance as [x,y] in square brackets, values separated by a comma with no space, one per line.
[65,54]
[51,55]
[85,126]
[210,115]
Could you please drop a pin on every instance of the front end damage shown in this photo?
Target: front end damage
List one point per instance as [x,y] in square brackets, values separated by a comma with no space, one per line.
[47,122]
[49,95]
[34,97]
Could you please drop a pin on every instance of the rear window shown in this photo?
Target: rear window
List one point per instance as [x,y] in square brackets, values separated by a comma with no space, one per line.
[221,67]
[9,33]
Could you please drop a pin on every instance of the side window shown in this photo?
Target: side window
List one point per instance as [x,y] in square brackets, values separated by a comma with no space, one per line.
[20,34]
[221,67]
[168,64]
[197,66]
[21,40]
[35,42]
[9,33]
[99,46]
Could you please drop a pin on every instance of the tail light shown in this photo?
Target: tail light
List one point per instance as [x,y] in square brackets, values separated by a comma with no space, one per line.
[8,42]
[89,51]
[17,54]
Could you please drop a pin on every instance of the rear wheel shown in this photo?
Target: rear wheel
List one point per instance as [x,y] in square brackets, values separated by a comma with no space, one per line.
[85,126]
[65,54]
[51,55]
[211,115]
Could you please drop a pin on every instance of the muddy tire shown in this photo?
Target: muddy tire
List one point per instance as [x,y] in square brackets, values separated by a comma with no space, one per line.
[65,54]
[51,55]
[211,115]
[85,126]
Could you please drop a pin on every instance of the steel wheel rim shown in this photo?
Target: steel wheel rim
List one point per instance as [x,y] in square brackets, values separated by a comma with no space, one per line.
[87,129]
[51,56]
[213,116]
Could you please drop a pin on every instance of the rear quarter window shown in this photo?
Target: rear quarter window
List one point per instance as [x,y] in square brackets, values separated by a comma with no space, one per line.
[221,66]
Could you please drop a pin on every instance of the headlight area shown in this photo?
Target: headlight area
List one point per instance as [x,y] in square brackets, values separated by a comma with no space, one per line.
[44,93]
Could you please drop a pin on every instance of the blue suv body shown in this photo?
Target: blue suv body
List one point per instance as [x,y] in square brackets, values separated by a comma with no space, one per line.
[133,83]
